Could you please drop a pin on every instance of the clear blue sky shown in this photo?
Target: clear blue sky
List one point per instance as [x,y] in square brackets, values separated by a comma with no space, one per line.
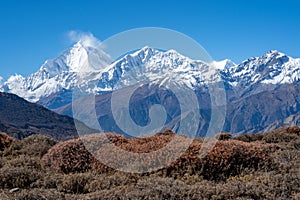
[33,31]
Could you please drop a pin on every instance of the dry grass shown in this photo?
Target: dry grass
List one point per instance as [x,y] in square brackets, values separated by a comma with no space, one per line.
[35,145]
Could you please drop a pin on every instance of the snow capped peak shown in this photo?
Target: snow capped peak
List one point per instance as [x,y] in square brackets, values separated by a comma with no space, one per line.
[223,64]
[172,51]
[144,53]
[273,54]
[63,72]
[80,44]
[273,68]
[147,52]
[84,39]
[153,66]
[147,49]
[175,55]
[83,57]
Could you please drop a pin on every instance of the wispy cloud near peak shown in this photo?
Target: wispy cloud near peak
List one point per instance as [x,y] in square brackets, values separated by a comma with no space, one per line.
[87,39]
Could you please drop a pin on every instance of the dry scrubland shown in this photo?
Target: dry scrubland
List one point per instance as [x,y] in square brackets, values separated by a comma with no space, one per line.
[256,166]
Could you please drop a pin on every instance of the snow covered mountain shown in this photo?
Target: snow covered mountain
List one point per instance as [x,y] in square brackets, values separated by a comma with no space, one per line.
[258,74]
[65,71]
[150,65]
[59,73]
[83,60]
[156,67]
[272,68]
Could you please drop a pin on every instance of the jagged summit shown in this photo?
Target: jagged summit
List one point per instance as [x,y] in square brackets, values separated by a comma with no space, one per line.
[274,52]
[79,58]
[223,64]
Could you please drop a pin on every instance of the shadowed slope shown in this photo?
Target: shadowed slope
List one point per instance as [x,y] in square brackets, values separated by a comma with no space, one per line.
[20,118]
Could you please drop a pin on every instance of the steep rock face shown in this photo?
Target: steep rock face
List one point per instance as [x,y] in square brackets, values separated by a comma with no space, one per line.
[265,111]
[251,114]
[20,118]
[139,106]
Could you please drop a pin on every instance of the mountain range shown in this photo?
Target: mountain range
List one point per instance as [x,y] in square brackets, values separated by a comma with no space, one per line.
[261,92]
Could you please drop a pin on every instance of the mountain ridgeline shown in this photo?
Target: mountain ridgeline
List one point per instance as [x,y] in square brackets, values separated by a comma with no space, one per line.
[262,93]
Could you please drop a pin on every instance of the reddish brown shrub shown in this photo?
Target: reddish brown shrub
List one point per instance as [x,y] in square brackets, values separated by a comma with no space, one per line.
[227,158]
[71,156]
[147,144]
[293,129]
[249,137]
[223,136]
[283,134]
[5,140]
